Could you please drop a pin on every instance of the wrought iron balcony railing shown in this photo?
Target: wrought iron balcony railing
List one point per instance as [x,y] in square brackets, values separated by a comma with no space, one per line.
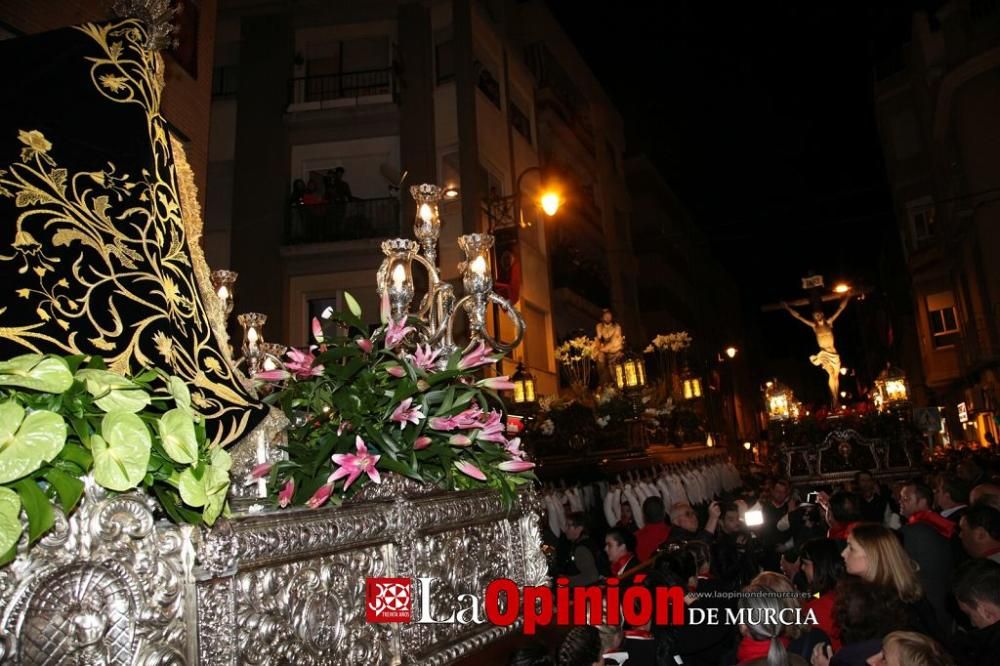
[344,86]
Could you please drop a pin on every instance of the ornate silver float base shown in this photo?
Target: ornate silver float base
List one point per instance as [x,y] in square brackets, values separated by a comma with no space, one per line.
[112,586]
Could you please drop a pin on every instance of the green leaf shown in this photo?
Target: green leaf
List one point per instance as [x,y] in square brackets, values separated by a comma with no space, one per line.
[121,451]
[34,371]
[178,437]
[37,507]
[69,488]
[352,305]
[191,487]
[181,394]
[78,455]
[10,520]
[112,392]
[27,442]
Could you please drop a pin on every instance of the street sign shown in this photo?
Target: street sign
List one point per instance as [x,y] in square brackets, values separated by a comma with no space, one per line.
[963,413]
[927,419]
[812,282]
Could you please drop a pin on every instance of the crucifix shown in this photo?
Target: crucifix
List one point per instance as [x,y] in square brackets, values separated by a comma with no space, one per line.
[827,358]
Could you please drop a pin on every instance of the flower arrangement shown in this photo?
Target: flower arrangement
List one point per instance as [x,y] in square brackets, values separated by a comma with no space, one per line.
[675,342]
[363,405]
[62,418]
[576,357]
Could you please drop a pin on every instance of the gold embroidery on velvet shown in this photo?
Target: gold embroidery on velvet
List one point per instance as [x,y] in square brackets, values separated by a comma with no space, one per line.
[149,268]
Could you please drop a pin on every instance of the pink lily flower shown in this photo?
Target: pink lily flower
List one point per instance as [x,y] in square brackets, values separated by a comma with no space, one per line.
[475,358]
[385,308]
[459,440]
[354,465]
[404,414]
[425,358]
[421,442]
[301,362]
[320,497]
[496,383]
[492,430]
[396,371]
[396,332]
[469,469]
[317,331]
[365,344]
[286,494]
[276,375]
[260,471]
[461,421]
[515,466]
[514,448]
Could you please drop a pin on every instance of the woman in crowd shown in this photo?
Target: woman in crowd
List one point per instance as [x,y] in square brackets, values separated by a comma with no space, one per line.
[874,553]
[765,643]
[823,568]
[907,648]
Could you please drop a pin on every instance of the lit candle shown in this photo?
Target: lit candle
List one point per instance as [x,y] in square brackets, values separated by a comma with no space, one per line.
[426,213]
[223,293]
[398,276]
[252,336]
[478,266]
[269,364]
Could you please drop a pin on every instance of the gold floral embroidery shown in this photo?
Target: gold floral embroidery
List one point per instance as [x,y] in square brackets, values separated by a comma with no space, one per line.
[129,233]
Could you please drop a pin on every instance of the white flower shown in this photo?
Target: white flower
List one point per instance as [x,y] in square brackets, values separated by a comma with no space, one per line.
[548,427]
[603,420]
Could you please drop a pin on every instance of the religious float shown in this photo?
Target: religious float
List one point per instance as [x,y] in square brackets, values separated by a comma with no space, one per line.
[162,503]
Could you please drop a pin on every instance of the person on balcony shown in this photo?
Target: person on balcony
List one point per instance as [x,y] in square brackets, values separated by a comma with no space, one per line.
[338,192]
[297,223]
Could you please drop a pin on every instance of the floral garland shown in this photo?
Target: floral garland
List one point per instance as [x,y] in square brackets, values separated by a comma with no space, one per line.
[361,405]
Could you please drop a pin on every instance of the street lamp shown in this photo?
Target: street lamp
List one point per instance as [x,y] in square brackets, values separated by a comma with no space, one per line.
[731,352]
[841,288]
[500,209]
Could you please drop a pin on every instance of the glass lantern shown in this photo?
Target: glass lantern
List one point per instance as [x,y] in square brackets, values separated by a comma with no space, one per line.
[524,386]
[630,372]
[891,389]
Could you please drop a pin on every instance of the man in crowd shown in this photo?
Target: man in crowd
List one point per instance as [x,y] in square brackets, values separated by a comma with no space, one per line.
[684,524]
[977,590]
[951,495]
[874,501]
[654,532]
[981,532]
[927,540]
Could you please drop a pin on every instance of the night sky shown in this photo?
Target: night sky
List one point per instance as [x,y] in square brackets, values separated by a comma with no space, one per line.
[761,117]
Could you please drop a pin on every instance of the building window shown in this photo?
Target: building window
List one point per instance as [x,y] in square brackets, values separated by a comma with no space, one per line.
[943,319]
[489,85]
[921,215]
[444,59]
[520,121]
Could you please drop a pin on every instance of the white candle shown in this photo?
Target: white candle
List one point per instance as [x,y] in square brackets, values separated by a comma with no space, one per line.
[398,276]
[223,293]
[252,336]
[478,266]
[426,213]
[269,364]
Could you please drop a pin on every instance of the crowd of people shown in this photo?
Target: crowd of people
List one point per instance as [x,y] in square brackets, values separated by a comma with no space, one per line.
[904,573]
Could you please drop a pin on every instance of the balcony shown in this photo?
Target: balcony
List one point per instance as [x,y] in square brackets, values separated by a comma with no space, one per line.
[570,270]
[334,222]
[978,346]
[309,93]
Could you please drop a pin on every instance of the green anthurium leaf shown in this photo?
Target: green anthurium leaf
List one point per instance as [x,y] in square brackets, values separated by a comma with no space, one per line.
[121,451]
[352,304]
[112,392]
[37,507]
[130,400]
[68,487]
[27,441]
[34,371]
[180,393]
[10,521]
[178,437]
[213,508]
[192,488]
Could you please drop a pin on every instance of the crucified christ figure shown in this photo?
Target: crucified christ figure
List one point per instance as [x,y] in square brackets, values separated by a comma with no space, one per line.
[827,358]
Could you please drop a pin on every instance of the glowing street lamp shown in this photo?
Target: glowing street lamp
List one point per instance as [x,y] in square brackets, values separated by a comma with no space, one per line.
[841,288]
[731,352]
